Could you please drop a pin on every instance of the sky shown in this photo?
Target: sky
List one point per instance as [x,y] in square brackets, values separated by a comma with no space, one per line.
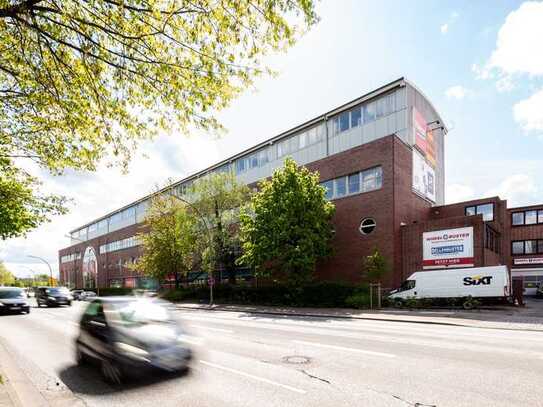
[480,63]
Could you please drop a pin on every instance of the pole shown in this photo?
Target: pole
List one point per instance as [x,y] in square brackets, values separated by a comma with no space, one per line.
[48,265]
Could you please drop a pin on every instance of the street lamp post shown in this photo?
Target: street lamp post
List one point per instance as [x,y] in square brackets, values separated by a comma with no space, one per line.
[48,265]
[208,234]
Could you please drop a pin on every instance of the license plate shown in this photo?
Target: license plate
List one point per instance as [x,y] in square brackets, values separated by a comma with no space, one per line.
[15,307]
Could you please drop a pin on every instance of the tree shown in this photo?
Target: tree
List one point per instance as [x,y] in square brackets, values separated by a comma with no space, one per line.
[217,198]
[287,226]
[22,209]
[375,267]
[82,80]
[169,240]
[6,277]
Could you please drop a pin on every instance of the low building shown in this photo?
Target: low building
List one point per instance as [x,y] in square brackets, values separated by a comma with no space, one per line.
[381,159]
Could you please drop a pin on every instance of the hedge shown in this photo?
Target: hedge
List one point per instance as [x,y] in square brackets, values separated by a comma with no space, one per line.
[324,294]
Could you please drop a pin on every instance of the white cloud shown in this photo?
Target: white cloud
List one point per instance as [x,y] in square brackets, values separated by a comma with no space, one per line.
[529,112]
[96,194]
[444,28]
[457,92]
[518,48]
[459,193]
[518,189]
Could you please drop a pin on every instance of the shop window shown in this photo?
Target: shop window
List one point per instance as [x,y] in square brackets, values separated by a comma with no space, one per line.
[518,247]
[367,226]
[530,217]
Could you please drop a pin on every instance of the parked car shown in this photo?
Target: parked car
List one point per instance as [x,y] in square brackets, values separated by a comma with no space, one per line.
[53,296]
[76,294]
[131,335]
[466,284]
[87,295]
[13,299]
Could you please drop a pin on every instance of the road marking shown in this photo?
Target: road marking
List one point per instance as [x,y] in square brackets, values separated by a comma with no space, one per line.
[258,378]
[228,331]
[192,340]
[366,352]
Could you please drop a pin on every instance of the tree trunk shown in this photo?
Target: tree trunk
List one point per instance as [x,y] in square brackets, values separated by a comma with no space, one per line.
[176,274]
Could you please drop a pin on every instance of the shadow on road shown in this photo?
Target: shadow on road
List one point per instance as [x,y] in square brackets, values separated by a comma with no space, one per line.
[87,380]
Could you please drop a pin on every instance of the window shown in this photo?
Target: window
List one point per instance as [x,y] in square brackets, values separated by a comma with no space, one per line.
[367,226]
[408,285]
[369,112]
[487,210]
[329,187]
[530,247]
[344,121]
[354,183]
[372,179]
[530,217]
[92,228]
[381,107]
[340,187]
[518,247]
[356,117]
[540,216]
[390,103]
[540,246]
[263,157]
[517,218]
[241,165]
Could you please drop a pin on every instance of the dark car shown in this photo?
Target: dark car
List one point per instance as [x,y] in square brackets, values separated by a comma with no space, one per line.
[76,294]
[53,296]
[129,334]
[13,299]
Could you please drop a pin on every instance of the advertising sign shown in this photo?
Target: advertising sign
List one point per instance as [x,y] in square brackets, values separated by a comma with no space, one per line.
[448,248]
[424,137]
[424,177]
[528,261]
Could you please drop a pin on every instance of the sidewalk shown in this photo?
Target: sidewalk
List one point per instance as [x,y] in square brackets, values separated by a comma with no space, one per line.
[17,390]
[510,318]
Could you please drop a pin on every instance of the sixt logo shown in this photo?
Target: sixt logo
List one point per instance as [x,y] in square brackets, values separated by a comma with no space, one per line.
[477,280]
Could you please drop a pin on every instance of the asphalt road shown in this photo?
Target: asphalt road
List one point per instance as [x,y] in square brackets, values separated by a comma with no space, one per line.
[257,360]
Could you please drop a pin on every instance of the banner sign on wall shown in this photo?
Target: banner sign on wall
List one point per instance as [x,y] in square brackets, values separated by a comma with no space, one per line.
[424,177]
[528,260]
[448,248]
[424,137]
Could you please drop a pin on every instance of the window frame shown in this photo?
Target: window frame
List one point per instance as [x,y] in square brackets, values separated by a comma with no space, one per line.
[477,210]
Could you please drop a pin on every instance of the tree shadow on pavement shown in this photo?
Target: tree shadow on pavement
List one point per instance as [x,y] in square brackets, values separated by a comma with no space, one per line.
[88,380]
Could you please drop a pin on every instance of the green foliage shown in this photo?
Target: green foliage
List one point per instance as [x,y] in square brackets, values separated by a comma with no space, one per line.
[84,80]
[324,294]
[22,209]
[169,239]
[6,277]
[375,267]
[358,300]
[215,200]
[287,227]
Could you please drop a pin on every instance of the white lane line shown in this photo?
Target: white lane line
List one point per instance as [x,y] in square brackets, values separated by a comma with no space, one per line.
[356,350]
[258,378]
[228,331]
[192,340]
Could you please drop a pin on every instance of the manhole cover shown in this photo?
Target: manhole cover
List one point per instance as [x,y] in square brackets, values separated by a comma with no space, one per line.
[297,360]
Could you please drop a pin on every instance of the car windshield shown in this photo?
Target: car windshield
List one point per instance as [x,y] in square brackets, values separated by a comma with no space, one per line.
[140,312]
[57,291]
[11,293]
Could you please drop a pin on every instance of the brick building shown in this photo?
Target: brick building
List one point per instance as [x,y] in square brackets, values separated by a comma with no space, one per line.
[381,159]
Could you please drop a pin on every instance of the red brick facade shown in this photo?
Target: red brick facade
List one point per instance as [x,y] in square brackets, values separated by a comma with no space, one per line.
[400,214]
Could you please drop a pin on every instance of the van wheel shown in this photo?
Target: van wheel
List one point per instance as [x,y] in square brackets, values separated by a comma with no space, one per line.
[398,303]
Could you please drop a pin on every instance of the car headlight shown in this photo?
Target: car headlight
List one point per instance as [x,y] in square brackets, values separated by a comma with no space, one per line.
[1,304]
[131,351]
[52,298]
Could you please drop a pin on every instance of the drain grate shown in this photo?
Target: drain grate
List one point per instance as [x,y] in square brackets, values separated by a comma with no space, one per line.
[297,360]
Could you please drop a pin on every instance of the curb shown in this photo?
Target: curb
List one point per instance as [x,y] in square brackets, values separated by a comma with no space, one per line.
[21,390]
[311,315]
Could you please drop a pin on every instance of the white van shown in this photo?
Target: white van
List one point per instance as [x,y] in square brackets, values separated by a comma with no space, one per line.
[479,282]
